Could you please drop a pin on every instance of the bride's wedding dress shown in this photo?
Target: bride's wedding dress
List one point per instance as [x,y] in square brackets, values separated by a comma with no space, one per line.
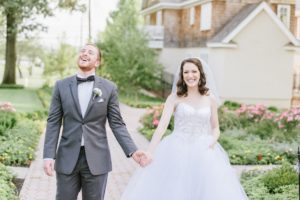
[184,167]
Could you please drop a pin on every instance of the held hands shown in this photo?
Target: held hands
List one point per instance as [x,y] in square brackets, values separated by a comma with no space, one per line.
[212,144]
[142,158]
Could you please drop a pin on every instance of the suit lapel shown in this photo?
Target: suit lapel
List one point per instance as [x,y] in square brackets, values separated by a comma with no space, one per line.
[97,84]
[74,92]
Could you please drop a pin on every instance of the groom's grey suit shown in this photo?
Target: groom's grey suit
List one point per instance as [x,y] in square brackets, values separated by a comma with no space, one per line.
[65,110]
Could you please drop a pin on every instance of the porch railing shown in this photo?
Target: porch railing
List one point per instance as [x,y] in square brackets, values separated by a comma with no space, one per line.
[156,36]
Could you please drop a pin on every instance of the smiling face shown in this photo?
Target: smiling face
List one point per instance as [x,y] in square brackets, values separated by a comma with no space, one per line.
[88,58]
[191,74]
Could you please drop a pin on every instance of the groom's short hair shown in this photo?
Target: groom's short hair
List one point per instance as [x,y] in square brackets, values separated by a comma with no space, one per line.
[99,55]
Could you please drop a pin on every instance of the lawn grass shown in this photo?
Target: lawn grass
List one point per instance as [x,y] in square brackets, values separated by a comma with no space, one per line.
[24,100]
[136,98]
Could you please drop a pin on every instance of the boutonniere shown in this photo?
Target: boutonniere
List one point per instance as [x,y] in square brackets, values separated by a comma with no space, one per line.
[97,92]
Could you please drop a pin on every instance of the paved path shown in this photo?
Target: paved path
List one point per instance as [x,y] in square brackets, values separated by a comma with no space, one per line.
[37,186]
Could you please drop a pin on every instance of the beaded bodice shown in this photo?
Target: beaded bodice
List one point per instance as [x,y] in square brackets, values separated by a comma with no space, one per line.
[189,121]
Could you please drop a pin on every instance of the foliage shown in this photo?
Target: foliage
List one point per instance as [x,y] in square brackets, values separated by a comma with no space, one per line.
[17,145]
[61,61]
[7,121]
[44,94]
[11,86]
[21,17]
[256,184]
[262,121]
[275,179]
[289,119]
[231,105]
[127,57]
[135,98]
[7,188]
[244,149]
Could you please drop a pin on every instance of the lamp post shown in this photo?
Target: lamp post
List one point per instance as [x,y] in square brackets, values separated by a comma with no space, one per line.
[89,21]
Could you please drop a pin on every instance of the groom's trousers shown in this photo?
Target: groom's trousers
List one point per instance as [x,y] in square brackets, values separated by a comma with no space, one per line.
[69,185]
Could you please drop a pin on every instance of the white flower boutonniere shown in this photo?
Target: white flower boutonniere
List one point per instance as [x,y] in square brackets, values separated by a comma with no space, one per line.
[97,92]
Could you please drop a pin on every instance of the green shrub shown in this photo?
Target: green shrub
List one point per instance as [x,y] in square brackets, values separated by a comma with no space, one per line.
[7,188]
[17,145]
[231,105]
[283,176]
[44,95]
[10,86]
[264,129]
[7,121]
[247,149]
[36,115]
[256,189]
[228,120]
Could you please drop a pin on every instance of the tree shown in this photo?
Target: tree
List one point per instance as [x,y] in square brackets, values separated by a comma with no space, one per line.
[16,13]
[61,61]
[127,57]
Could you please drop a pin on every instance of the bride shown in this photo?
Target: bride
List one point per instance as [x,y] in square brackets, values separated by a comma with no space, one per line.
[188,164]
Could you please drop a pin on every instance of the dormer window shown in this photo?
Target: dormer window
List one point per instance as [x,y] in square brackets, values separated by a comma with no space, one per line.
[206,15]
[284,14]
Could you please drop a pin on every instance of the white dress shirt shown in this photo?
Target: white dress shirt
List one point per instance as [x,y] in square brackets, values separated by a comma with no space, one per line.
[85,90]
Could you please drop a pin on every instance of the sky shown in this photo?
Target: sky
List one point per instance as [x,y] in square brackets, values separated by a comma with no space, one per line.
[72,27]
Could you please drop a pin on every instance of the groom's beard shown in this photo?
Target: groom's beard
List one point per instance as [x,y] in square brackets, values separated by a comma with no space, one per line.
[87,68]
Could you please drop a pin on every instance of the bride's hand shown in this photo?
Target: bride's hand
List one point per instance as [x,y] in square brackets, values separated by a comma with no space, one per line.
[146,159]
[212,144]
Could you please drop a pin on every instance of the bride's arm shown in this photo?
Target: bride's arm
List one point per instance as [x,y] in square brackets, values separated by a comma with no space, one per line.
[214,122]
[163,122]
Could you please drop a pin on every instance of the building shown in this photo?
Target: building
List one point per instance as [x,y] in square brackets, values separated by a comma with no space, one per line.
[251,45]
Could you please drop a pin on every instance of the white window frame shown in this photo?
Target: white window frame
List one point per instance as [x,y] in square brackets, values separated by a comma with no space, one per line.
[147,20]
[192,16]
[298,28]
[286,21]
[159,18]
[206,16]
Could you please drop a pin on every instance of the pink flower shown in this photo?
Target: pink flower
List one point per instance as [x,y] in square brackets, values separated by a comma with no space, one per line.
[290,118]
[155,122]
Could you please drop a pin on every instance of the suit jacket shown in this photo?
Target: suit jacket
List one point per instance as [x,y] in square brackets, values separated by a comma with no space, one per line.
[65,111]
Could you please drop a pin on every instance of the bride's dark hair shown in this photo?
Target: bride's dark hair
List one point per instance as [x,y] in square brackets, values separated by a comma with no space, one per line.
[181,86]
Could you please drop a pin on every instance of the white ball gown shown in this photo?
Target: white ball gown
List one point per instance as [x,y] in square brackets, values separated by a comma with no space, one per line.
[184,167]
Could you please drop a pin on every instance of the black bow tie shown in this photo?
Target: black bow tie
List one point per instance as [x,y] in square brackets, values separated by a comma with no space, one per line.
[82,80]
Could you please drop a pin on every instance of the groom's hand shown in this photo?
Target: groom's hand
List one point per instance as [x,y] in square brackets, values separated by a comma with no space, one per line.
[142,158]
[49,166]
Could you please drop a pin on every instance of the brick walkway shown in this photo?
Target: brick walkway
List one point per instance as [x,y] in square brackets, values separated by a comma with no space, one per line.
[38,186]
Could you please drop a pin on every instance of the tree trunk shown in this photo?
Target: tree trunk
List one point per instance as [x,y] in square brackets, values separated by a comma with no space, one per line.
[10,51]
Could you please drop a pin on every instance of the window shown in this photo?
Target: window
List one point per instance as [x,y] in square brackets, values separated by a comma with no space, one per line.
[298,28]
[206,14]
[147,20]
[284,13]
[159,18]
[192,16]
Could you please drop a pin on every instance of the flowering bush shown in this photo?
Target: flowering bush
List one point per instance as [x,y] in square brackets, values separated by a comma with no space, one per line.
[7,107]
[288,120]
[262,121]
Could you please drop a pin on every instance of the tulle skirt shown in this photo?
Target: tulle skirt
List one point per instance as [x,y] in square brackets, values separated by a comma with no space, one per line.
[185,168]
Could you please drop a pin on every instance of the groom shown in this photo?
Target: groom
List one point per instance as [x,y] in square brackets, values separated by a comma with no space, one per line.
[81,104]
